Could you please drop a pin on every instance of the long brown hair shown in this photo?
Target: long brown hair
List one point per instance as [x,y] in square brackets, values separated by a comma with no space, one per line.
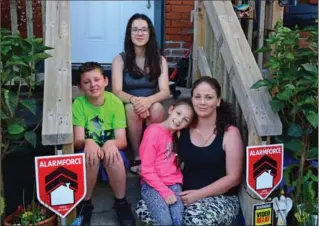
[153,58]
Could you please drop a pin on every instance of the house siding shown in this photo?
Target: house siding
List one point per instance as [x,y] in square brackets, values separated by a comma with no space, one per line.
[177,23]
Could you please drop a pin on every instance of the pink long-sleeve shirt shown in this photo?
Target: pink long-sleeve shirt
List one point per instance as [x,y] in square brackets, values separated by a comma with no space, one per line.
[158,161]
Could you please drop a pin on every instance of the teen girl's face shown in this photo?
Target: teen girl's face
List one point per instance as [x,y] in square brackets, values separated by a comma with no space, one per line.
[140,33]
[179,117]
[205,100]
[93,83]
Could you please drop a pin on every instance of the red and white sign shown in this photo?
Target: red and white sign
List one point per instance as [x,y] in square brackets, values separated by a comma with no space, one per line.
[61,182]
[264,168]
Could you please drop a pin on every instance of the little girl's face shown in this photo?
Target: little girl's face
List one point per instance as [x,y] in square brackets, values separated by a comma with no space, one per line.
[180,117]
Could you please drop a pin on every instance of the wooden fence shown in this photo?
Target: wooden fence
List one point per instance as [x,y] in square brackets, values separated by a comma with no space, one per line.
[221,50]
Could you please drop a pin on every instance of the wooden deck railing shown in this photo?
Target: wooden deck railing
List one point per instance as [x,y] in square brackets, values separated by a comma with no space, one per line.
[57,127]
[222,51]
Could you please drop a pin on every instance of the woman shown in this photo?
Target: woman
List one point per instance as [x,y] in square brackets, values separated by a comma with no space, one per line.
[140,80]
[212,152]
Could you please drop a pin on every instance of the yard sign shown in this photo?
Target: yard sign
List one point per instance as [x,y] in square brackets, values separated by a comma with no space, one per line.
[264,168]
[263,214]
[61,182]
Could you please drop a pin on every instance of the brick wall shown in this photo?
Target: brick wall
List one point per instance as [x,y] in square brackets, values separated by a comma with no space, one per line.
[177,27]
[21,13]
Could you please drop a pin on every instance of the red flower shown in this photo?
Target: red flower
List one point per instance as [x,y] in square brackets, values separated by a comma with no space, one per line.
[20,209]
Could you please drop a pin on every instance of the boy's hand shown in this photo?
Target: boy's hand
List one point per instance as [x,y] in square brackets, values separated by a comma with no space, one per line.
[171,199]
[111,153]
[92,152]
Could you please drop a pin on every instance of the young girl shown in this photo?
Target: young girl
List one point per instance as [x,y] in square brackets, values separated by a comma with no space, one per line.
[161,176]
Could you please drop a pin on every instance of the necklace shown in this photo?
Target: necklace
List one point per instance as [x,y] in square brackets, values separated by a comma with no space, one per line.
[205,139]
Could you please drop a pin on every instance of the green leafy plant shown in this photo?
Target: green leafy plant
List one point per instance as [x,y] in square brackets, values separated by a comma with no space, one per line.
[19,57]
[293,85]
[30,215]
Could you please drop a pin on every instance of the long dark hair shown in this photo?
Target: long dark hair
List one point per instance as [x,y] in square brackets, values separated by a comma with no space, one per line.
[182,101]
[153,58]
[225,115]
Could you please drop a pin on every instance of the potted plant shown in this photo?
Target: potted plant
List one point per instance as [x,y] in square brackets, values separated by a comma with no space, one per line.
[293,85]
[20,112]
[19,57]
[33,214]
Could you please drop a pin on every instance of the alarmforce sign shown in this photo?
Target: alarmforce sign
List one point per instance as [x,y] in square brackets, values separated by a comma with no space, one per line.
[60,162]
[267,151]
[61,182]
[264,168]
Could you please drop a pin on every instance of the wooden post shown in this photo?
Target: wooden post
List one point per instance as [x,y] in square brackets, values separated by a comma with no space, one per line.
[14,16]
[43,6]
[199,36]
[261,28]
[277,13]
[57,126]
[29,18]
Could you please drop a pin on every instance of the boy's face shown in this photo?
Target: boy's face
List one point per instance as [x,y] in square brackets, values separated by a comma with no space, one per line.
[93,83]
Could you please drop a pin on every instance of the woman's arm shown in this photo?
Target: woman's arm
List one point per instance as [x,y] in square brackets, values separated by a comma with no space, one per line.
[233,147]
[117,79]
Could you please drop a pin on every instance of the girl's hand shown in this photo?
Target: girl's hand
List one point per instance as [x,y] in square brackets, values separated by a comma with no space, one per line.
[92,152]
[145,114]
[171,199]
[142,104]
[190,196]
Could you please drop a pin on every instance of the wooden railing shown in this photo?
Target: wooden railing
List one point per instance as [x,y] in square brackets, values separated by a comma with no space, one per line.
[57,127]
[222,51]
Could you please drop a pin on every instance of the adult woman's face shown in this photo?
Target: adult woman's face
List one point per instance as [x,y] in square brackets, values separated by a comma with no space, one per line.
[140,33]
[205,100]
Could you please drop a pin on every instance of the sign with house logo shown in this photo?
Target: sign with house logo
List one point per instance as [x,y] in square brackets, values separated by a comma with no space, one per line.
[61,182]
[263,214]
[264,168]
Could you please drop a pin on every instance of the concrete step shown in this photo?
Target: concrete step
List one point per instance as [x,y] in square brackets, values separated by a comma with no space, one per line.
[103,199]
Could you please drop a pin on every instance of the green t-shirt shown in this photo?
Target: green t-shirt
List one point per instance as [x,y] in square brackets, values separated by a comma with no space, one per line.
[99,122]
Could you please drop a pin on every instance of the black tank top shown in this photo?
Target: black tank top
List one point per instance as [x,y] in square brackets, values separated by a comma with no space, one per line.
[202,165]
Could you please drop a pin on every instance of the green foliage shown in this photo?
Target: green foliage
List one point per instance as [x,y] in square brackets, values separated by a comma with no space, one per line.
[293,85]
[2,205]
[30,215]
[18,58]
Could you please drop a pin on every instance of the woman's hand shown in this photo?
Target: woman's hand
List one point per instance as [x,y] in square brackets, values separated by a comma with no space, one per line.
[190,196]
[92,152]
[142,104]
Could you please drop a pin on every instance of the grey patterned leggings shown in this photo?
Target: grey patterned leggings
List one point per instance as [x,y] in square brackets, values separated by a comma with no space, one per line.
[161,213]
[216,210]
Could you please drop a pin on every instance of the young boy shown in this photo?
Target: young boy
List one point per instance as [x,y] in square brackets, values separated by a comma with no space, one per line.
[99,129]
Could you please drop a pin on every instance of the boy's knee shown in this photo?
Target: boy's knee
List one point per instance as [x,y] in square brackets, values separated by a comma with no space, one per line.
[116,164]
